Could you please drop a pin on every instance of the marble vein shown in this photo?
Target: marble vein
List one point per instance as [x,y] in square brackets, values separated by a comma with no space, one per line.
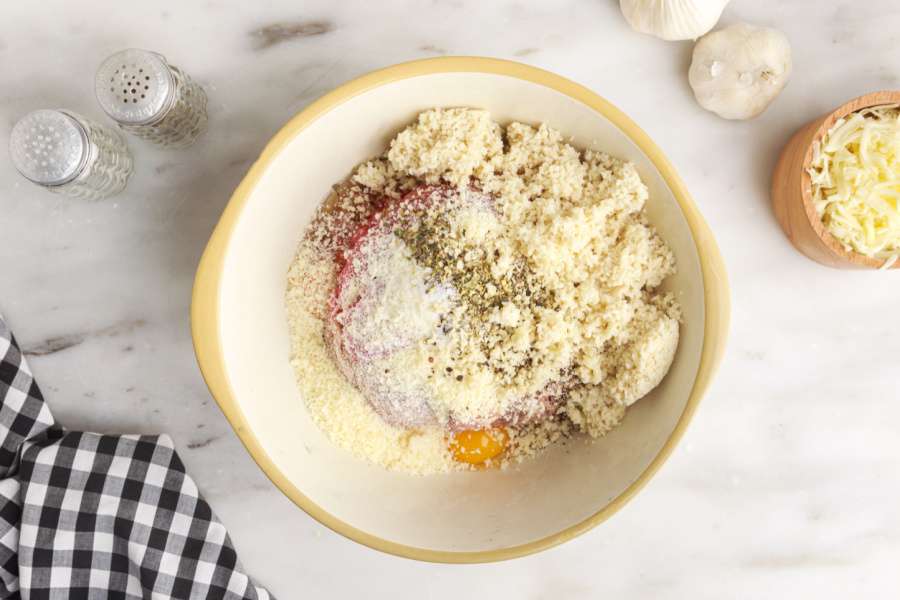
[278,33]
[58,343]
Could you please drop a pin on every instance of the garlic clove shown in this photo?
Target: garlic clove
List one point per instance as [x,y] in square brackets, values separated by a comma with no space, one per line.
[737,71]
[673,19]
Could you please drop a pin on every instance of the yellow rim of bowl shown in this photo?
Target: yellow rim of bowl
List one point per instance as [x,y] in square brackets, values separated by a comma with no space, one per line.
[205,301]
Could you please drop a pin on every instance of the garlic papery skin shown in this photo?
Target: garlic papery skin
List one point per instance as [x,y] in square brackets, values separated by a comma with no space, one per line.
[737,71]
[673,19]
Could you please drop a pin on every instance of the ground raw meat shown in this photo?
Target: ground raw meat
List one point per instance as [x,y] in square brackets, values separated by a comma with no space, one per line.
[361,328]
[376,283]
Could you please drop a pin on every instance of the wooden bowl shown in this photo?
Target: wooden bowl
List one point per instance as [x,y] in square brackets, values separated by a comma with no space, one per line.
[792,191]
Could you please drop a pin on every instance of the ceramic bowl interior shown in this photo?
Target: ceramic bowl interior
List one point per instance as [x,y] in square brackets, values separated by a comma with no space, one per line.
[242,344]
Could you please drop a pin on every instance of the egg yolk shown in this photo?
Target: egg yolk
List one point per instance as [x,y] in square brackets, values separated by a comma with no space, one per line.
[476,446]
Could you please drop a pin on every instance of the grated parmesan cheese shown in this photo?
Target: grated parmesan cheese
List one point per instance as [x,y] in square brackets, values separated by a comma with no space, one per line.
[336,406]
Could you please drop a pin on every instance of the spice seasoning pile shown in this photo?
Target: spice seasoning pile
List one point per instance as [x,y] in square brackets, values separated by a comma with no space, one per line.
[477,293]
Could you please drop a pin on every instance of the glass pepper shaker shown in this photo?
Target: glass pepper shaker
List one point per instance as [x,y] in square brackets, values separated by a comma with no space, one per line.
[150,98]
[69,154]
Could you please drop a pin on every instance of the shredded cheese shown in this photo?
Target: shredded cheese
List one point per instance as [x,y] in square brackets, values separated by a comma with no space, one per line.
[855,174]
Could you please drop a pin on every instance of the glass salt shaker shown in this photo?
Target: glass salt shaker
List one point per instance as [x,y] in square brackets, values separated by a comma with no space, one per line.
[69,154]
[150,98]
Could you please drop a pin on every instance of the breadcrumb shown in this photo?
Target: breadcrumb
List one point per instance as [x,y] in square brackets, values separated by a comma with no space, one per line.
[564,271]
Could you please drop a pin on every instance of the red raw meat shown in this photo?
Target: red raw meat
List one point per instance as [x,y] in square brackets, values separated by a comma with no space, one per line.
[355,292]
[355,356]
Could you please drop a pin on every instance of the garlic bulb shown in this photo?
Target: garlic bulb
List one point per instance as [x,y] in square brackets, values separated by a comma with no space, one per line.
[672,19]
[737,71]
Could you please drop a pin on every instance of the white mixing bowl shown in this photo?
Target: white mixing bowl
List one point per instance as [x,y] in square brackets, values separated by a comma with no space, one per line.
[242,346]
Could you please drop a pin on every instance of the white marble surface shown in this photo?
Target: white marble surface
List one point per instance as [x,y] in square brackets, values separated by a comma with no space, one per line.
[787,482]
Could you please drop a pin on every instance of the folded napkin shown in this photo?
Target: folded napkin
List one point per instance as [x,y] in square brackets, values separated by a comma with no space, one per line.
[92,516]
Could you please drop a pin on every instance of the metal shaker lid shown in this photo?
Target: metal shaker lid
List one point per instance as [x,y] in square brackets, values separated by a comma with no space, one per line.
[49,147]
[135,86]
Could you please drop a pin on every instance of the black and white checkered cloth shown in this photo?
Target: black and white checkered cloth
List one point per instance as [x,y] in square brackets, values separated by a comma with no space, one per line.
[92,516]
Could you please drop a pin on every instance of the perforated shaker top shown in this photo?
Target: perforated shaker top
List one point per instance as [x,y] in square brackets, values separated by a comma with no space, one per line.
[48,147]
[135,86]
